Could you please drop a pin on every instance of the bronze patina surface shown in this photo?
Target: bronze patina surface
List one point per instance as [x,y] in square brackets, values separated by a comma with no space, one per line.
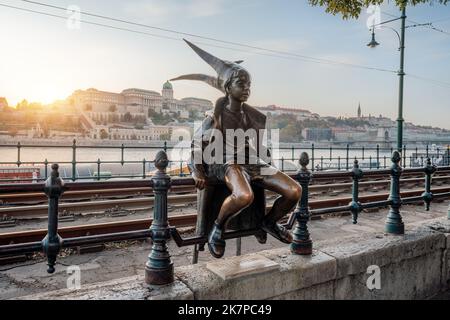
[239,202]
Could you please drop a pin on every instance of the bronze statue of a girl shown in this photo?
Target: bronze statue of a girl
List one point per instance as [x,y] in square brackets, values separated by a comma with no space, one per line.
[232,113]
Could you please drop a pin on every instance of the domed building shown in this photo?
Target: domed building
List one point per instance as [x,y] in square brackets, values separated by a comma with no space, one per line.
[122,109]
[167,91]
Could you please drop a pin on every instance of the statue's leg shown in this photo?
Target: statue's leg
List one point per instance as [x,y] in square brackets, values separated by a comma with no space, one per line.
[241,194]
[241,197]
[290,192]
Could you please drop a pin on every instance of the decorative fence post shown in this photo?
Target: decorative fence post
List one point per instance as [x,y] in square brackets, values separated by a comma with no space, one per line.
[428,195]
[159,267]
[355,205]
[74,160]
[51,244]
[302,243]
[18,154]
[394,223]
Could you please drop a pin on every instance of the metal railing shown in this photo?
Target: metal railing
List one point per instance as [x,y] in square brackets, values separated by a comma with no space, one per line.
[159,267]
[321,159]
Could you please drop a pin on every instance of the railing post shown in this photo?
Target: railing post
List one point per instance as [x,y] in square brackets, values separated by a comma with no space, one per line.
[404,156]
[312,157]
[448,156]
[355,205]
[181,169]
[378,156]
[428,195]
[18,154]
[394,223]
[74,160]
[46,168]
[238,246]
[302,243]
[347,157]
[143,168]
[159,267]
[122,148]
[98,169]
[51,244]
[331,154]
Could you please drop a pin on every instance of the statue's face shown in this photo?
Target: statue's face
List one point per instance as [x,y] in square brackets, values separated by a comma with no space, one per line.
[239,88]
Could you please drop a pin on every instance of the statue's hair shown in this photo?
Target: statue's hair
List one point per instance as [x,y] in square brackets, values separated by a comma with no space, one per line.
[234,74]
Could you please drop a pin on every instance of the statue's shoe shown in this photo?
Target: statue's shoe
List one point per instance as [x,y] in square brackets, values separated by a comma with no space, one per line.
[216,244]
[278,232]
[261,236]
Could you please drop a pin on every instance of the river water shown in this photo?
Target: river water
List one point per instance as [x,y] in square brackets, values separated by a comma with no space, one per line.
[133,157]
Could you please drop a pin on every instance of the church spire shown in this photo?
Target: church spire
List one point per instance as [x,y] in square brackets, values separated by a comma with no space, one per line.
[359,109]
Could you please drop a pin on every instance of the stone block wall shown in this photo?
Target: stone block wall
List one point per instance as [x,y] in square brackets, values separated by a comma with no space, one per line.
[412,266]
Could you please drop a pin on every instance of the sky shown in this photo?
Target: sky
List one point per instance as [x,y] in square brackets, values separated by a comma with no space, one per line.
[45,58]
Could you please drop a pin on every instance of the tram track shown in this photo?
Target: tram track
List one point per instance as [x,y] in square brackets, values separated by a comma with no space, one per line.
[142,188]
[180,196]
[186,220]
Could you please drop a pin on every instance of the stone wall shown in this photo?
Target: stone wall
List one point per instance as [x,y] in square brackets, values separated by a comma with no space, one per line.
[413,266]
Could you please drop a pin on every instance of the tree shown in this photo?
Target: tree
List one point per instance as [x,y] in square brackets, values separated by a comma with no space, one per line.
[164,136]
[291,133]
[127,117]
[152,113]
[353,8]
[22,104]
[112,108]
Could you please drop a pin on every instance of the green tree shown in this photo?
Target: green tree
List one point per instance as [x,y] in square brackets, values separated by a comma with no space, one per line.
[127,117]
[164,136]
[353,8]
[291,133]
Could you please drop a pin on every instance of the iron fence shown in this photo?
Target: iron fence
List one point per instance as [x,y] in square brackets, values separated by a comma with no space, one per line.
[330,158]
[159,267]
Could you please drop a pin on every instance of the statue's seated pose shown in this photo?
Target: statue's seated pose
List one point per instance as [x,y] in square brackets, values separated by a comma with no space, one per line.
[240,204]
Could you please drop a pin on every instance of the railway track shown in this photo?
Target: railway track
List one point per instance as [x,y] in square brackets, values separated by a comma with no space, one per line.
[143,202]
[141,188]
[187,220]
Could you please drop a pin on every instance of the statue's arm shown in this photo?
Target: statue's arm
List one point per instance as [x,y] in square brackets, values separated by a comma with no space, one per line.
[198,144]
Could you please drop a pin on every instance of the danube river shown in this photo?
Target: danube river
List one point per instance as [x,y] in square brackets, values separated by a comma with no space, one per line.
[324,157]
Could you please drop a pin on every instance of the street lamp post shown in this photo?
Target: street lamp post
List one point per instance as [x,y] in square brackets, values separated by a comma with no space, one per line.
[401,75]
[401,37]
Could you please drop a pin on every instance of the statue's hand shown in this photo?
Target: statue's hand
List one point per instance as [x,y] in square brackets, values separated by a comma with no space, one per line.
[200,180]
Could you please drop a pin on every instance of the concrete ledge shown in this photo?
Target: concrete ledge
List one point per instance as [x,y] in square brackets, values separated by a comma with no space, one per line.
[296,272]
[413,266]
[130,288]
